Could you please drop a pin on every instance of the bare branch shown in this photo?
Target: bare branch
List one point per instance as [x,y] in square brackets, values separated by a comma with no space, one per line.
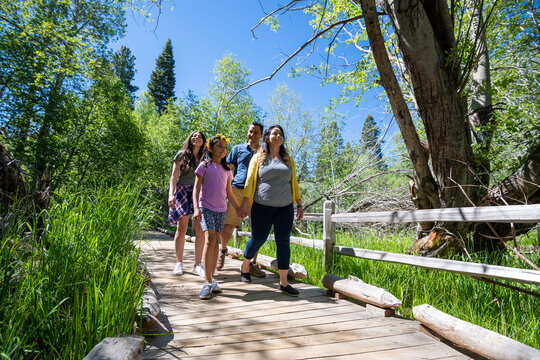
[269,15]
[313,38]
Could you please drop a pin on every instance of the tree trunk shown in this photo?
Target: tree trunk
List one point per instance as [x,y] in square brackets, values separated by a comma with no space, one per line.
[440,105]
[481,104]
[424,191]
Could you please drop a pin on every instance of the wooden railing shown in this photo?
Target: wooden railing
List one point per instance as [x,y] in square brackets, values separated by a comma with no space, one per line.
[504,214]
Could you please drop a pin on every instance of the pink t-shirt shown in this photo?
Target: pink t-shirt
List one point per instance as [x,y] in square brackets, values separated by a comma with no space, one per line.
[214,186]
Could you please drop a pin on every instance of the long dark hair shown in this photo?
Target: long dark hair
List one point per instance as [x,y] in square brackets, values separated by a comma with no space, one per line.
[187,158]
[207,155]
[265,148]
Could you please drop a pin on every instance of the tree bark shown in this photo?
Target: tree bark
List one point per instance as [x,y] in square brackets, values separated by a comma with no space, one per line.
[481,103]
[425,186]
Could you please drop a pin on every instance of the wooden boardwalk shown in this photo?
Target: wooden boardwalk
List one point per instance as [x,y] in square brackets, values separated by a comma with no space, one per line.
[255,321]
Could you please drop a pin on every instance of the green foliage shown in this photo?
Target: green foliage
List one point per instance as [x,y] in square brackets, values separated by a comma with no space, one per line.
[107,144]
[514,40]
[162,79]
[48,52]
[231,117]
[123,62]
[63,292]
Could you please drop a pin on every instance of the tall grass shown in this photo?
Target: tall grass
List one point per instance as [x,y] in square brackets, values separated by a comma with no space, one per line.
[497,308]
[78,282]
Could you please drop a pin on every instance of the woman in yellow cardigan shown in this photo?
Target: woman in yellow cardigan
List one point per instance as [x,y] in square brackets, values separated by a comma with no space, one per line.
[272,186]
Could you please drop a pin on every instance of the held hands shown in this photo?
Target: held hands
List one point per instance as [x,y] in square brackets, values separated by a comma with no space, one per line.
[241,212]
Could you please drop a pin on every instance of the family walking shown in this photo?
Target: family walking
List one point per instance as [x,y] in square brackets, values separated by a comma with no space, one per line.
[220,190]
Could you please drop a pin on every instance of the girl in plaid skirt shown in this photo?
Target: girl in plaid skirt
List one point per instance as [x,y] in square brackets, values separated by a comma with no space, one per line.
[181,199]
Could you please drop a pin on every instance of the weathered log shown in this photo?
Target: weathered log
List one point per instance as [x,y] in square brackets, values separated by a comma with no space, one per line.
[296,271]
[234,252]
[361,291]
[473,337]
[118,348]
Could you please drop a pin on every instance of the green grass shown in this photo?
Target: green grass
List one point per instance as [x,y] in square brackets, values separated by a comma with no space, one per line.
[458,295]
[63,293]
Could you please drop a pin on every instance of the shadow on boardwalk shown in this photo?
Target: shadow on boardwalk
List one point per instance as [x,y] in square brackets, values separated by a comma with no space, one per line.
[255,321]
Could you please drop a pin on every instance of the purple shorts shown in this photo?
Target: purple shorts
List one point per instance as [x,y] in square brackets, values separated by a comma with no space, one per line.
[212,220]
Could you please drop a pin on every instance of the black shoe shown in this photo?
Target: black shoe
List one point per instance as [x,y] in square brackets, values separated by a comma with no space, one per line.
[245,277]
[289,290]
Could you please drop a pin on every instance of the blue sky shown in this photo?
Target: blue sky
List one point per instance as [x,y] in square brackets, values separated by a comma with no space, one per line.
[203,31]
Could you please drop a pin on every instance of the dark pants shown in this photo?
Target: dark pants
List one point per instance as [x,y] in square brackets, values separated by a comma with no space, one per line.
[262,219]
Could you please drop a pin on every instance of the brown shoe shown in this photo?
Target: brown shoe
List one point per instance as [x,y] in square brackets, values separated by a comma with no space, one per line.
[256,271]
[221,260]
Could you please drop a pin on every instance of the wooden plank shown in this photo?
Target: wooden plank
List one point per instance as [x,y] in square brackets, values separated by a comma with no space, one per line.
[473,337]
[342,336]
[343,322]
[290,310]
[307,312]
[233,293]
[313,217]
[262,323]
[256,327]
[428,351]
[361,291]
[459,267]
[296,349]
[503,214]
[221,309]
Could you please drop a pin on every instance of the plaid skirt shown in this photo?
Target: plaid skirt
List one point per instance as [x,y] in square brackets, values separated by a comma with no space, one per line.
[184,203]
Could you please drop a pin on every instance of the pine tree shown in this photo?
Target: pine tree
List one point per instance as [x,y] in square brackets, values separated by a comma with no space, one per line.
[162,80]
[370,140]
[123,62]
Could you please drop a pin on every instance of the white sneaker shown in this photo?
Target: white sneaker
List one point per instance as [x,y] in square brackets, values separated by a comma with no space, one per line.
[206,291]
[199,270]
[178,269]
[215,287]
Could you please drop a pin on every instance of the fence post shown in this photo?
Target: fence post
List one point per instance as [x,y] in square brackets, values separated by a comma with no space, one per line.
[235,236]
[329,235]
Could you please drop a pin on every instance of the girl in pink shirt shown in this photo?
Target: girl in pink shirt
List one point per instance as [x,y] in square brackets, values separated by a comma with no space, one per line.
[211,190]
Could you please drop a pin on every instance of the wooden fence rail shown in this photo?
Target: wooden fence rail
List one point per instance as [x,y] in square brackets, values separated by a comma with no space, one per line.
[505,214]
[501,214]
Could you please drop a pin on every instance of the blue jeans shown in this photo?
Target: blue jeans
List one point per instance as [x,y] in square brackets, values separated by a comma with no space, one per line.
[262,219]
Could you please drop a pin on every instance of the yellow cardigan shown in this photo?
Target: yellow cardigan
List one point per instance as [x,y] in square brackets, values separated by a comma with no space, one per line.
[251,180]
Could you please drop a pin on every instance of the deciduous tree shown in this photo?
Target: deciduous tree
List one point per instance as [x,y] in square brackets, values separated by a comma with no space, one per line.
[433,60]
[231,117]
